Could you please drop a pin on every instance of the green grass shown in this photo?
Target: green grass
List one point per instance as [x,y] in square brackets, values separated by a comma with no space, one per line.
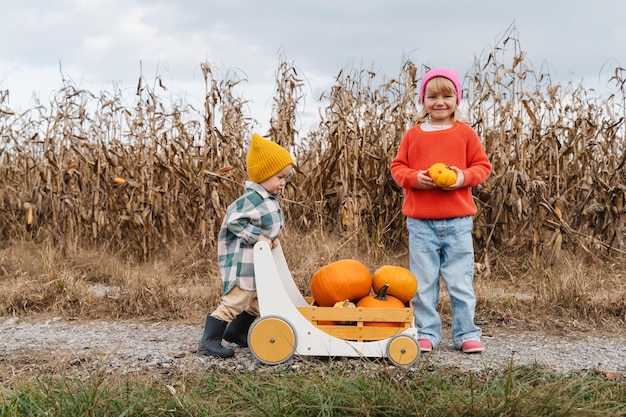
[314,389]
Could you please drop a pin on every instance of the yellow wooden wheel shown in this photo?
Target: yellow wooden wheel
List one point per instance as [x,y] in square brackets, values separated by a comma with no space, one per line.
[272,340]
[403,350]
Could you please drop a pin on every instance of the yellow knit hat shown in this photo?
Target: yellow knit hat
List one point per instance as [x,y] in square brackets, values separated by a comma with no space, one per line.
[265,158]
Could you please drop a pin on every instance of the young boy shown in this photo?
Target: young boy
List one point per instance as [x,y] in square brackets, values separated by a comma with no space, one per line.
[255,216]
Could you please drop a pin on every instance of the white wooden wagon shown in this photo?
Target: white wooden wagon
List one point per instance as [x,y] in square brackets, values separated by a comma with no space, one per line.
[290,324]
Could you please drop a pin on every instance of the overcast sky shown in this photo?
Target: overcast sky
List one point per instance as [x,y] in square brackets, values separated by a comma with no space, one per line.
[101,43]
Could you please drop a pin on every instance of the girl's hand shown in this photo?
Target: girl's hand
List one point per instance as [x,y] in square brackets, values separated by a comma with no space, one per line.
[424,182]
[460,179]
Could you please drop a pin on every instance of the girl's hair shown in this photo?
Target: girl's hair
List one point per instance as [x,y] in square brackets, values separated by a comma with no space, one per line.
[439,85]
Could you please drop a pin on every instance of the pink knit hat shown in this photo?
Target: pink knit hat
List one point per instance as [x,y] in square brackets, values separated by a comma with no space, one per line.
[441,72]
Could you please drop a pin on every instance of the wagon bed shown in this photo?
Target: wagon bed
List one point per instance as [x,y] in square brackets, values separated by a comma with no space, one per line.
[290,324]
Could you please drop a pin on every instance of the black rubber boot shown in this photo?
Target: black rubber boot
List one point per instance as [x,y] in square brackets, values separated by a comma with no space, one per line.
[237,330]
[211,342]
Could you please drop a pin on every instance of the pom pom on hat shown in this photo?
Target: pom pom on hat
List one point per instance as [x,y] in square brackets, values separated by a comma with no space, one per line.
[265,158]
[448,73]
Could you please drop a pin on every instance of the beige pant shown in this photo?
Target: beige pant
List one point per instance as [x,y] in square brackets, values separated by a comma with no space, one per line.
[235,302]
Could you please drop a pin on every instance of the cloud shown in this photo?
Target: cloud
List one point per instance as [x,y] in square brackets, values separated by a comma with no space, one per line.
[98,43]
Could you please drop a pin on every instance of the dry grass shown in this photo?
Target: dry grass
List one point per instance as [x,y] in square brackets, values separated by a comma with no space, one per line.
[108,209]
[184,284]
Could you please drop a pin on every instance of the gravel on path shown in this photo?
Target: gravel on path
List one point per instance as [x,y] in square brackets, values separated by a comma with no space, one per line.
[28,346]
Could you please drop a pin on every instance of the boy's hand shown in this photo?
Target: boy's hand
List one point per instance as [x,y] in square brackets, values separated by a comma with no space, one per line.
[269,242]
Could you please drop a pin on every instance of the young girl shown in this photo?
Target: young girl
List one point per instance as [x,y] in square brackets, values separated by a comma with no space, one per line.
[439,220]
[255,216]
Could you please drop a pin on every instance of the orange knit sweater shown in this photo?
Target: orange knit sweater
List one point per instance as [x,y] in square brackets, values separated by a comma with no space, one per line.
[418,150]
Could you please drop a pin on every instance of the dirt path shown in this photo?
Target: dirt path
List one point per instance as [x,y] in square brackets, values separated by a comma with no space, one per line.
[29,347]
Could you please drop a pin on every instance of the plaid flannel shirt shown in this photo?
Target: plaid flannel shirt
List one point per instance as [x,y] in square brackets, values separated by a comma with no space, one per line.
[255,213]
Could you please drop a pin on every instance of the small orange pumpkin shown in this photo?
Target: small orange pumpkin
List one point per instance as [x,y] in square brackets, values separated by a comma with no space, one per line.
[380,300]
[402,283]
[341,280]
[442,175]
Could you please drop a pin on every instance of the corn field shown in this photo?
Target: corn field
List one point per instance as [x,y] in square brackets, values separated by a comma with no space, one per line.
[91,171]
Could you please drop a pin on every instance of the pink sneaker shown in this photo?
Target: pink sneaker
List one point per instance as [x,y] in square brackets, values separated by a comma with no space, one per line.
[425,345]
[472,346]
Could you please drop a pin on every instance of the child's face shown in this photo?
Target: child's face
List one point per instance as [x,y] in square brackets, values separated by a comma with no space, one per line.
[440,104]
[277,181]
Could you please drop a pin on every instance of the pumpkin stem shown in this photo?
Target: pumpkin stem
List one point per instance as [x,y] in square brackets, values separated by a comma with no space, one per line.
[382,293]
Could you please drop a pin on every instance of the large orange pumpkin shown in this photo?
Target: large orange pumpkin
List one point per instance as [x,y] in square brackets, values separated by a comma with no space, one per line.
[402,283]
[442,175]
[380,300]
[341,280]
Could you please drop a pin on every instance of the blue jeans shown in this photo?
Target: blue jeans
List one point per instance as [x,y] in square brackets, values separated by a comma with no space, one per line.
[443,247]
